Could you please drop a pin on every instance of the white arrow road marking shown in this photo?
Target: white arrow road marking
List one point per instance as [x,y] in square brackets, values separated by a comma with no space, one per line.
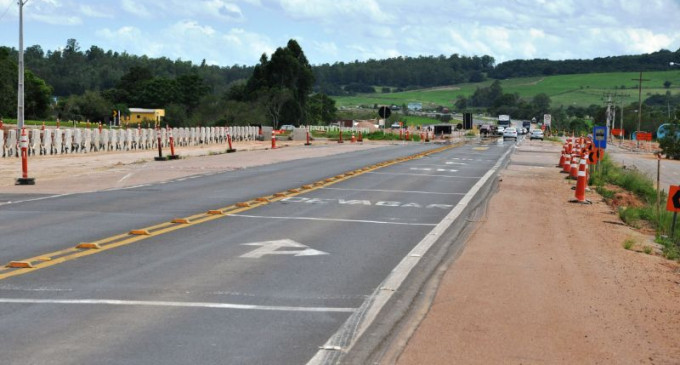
[273,248]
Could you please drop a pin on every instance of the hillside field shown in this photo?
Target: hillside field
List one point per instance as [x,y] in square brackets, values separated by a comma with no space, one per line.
[578,90]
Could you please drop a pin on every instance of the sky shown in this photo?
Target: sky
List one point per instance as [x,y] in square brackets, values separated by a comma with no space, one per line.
[238,32]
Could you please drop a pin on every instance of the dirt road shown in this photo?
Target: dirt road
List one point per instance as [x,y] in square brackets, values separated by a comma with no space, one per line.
[544,281]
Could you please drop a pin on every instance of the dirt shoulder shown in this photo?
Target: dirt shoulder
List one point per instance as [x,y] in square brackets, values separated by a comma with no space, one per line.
[71,173]
[547,281]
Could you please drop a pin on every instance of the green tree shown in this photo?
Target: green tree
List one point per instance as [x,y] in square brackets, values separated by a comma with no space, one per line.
[285,81]
[322,109]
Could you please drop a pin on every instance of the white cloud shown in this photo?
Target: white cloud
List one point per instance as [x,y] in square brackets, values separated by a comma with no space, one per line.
[338,11]
[135,7]
[57,20]
[89,11]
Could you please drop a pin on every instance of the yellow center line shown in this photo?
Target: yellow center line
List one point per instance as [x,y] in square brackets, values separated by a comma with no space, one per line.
[108,243]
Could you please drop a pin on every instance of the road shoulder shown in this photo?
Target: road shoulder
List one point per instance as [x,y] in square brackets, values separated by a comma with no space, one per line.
[546,281]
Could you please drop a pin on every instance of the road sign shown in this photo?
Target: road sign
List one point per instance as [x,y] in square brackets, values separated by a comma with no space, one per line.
[275,248]
[643,136]
[595,155]
[547,120]
[384,112]
[673,203]
[600,136]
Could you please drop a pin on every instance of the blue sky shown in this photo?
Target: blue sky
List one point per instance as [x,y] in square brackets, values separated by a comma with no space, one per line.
[228,32]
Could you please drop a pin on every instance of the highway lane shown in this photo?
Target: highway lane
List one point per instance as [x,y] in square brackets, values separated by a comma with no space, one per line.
[264,285]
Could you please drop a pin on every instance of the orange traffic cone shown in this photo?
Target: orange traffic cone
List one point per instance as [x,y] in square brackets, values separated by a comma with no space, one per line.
[354,138]
[573,168]
[561,163]
[581,184]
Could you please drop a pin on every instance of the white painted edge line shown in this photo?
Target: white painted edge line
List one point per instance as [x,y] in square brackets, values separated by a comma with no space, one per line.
[36,199]
[332,220]
[433,175]
[176,304]
[358,322]
[394,191]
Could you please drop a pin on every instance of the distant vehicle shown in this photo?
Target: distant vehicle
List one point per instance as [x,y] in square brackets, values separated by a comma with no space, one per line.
[287,127]
[487,129]
[526,124]
[510,132]
[395,125]
[500,130]
[536,134]
[504,120]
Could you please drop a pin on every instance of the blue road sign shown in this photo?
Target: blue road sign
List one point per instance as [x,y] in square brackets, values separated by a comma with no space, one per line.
[600,137]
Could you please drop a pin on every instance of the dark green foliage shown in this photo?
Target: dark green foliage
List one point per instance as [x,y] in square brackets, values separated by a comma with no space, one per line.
[282,85]
[656,61]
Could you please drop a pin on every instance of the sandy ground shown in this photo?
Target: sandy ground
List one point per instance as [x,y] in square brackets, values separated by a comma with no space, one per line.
[544,281]
[60,174]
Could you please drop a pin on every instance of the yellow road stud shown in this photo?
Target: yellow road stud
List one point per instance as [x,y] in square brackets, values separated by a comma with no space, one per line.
[307,186]
[263,200]
[181,221]
[89,246]
[140,232]
[243,204]
[215,212]
[278,195]
[20,265]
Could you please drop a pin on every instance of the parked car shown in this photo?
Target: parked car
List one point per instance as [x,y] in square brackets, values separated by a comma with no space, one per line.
[499,130]
[287,127]
[510,132]
[536,134]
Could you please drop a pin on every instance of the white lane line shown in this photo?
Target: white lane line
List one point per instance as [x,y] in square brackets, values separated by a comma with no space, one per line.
[395,191]
[429,175]
[358,322]
[333,220]
[176,304]
[125,177]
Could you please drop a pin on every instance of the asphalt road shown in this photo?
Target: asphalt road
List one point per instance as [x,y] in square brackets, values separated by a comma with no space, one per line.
[648,165]
[262,284]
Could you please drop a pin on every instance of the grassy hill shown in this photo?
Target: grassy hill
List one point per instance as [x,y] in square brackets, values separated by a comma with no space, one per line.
[578,90]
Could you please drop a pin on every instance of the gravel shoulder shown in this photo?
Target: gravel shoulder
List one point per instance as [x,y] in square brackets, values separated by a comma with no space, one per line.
[547,281]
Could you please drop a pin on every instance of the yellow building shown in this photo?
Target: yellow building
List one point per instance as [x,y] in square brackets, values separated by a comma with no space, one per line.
[141,115]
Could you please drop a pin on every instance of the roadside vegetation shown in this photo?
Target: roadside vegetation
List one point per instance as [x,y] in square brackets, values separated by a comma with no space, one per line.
[634,196]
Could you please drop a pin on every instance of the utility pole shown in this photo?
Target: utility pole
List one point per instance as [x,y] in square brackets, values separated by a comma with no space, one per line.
[20,91]
[639,80]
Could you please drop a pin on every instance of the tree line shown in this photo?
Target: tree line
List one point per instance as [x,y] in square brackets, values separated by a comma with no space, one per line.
[284,87]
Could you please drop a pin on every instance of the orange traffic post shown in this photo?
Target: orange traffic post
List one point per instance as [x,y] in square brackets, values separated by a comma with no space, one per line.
[308,143]
[172,156]
[360,138]
[24,179]
[354,138]
[273,141]
[340,139]
[160,146]
[230,149]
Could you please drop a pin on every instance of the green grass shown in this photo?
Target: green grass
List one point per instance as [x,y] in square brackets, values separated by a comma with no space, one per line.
[578,90]
[628,243]
[643,188]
